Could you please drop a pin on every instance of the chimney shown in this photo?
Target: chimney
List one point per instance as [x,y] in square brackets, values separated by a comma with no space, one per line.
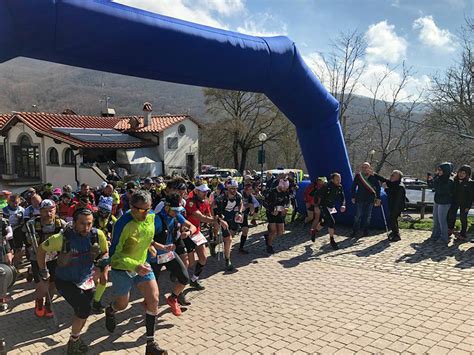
[147,109]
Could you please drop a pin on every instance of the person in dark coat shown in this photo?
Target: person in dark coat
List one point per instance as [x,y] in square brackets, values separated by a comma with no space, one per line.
[365,195]
[463,195]
[443,187]
[396,195]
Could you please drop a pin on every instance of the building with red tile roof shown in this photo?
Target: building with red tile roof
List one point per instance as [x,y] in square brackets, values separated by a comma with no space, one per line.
[64,148]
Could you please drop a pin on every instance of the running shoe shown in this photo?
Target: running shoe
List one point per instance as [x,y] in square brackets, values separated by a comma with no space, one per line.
[48,313]
[39,308]
[270,249]
[174,305]
[333,244]
[229,266]
[154,349]
[313,235]
[76,347]
[182,300]
[110,321]
[196,285]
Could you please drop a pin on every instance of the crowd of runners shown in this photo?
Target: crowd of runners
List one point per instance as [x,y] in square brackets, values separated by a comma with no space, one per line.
[75,242]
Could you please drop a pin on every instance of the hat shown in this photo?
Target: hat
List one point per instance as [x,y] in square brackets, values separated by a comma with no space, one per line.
[174,201]
[48,186]
[47,204]
[105,203]
[55,198]
[220,186]
[248,177]
[203,188]
[233,183]
[103,185]
[57,191]
[66,194]
[181,186]
[131,185]
[148,180]
[5,193]
[323,179]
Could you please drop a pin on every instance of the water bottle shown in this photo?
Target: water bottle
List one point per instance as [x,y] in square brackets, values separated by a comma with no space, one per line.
[3,347]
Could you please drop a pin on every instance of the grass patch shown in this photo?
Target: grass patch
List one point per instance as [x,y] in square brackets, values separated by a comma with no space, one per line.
[427,224]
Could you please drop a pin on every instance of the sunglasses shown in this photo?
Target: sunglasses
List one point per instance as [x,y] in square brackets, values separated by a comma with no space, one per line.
[142,210]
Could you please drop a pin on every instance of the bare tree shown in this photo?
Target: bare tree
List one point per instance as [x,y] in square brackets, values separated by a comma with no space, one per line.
[392,117]
[341,69]
[451,117]
[241,117]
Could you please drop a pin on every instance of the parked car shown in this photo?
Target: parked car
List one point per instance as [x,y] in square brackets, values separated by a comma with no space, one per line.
[225,173]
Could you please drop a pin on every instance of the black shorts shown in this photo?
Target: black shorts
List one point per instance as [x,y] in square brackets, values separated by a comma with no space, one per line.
[232,225]
[19,238]
[245,222]
[175,267]
[189,244]
[180,247]
[51,265]
[79,299]
[278,219]
[327,217]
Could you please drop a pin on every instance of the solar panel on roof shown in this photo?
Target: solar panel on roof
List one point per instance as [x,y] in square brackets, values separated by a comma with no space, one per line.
[97,135]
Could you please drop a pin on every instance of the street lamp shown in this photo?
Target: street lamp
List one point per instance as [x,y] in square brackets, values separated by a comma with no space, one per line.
[262,137]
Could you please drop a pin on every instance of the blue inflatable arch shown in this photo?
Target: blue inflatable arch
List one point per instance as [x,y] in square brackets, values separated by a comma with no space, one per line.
[106,36]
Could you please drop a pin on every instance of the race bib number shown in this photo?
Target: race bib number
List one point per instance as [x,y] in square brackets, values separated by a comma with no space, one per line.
[164,258]
[87,285]
[198,239]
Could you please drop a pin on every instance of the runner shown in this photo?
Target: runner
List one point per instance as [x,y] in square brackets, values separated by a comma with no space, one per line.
[105,221]
[276,204]
[14,213]
[249,211]
[79,246]
[43,226]
[229,207]
[132,237]
[167,229]
[198,210]
[329,195]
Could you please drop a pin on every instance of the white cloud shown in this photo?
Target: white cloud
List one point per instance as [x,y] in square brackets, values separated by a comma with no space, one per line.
[202,14]
[213,13]
[431,35]
[223,7]
[258,24]
[383,44]
[371,75]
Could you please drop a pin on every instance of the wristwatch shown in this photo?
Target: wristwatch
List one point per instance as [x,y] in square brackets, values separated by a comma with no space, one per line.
[44,274]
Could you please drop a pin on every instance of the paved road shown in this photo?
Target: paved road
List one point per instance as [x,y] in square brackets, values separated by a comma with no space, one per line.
[367,297]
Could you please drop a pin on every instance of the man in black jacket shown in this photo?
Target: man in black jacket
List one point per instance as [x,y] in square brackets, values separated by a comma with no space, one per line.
[365,194]
[463,195]
[396,193]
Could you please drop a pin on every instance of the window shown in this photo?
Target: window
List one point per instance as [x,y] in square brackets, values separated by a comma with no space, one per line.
[68,157]
[53,156]
[26,158]
[181,129]
[173,143]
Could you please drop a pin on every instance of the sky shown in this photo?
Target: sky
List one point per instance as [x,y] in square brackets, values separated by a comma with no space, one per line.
[423,34]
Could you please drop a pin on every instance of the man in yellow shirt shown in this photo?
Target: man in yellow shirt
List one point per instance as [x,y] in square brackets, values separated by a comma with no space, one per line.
[79,247]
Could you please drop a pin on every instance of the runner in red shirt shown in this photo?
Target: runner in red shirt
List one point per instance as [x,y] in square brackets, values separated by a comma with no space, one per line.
[198,210]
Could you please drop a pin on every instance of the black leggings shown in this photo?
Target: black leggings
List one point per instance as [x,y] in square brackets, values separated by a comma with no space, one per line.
[327,217]
[175,267]
[79,299]
[452,214]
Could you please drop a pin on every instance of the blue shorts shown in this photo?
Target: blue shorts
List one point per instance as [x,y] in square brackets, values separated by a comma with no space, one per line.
[122,283]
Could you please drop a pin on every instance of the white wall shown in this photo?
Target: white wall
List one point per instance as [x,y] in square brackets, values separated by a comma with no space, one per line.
[58,175]
[175,160]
